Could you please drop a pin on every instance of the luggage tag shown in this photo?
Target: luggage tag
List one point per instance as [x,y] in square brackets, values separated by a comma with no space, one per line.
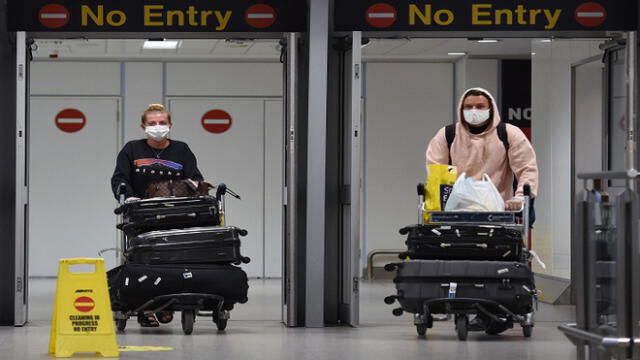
[453,288]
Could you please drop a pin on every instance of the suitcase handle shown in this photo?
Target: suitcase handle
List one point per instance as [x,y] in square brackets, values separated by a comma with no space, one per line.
[475,245]
[168,216]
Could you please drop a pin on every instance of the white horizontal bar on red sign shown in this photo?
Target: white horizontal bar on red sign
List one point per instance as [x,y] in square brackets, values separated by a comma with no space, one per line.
[53,16]
[260,16]
[216,121]
[590,14]
[381,15]
[70,121]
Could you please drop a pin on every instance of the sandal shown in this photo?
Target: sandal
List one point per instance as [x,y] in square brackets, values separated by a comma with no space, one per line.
[147,319]
[164,317]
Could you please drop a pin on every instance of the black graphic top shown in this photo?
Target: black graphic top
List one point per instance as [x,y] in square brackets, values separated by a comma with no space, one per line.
[139,164]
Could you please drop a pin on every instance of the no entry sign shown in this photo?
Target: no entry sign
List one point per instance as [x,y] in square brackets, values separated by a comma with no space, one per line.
[590,14]
[479,15]
[271,16]
[260,16]
[84,304]
[53,16]
[216,121]
[381,15]
[70,120]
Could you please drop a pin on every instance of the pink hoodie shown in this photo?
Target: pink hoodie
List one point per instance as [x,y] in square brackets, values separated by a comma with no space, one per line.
[485,153]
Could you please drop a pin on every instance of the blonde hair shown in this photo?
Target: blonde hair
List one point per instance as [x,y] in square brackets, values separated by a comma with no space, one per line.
[155,108]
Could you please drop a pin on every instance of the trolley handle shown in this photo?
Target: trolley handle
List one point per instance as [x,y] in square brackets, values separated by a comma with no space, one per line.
[223,190]
[420,189]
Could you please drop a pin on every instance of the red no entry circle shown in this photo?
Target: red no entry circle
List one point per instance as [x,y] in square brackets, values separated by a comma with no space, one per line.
[84,304]
[53,16]
[260,16]
[70,120]
[590,14]
[216,121]
[381,15]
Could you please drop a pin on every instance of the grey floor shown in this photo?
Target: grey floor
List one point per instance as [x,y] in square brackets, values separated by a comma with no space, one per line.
[255,332]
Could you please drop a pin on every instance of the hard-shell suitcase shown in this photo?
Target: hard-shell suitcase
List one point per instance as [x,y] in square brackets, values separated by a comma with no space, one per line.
[462,242]
[214,244]
[168,213]
[133,285]
[447,285]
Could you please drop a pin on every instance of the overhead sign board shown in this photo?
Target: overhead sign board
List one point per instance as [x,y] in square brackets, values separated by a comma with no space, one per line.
[485,15]
[158,16]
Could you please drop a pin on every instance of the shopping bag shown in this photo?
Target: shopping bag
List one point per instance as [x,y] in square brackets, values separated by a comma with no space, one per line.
[438,187]
[473,195]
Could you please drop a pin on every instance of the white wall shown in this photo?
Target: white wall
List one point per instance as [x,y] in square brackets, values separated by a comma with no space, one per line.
[75,78]
[405,105]
[551,134]
[482,73]
[143,85]
[224,79]
[137,84]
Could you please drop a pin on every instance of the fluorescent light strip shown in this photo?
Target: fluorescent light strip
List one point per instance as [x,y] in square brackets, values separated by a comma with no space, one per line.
[162,45]
[456,53]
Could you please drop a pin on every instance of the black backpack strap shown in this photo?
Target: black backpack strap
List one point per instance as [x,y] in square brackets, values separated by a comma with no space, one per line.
[502,134]
[450,134]
[504,137]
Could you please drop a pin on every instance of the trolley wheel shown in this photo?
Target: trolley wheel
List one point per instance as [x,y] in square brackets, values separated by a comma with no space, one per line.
[188,318]
[220,321]
[462,327]
[246,260]
[221,324]
[121,324]
[421,329]
[527,330]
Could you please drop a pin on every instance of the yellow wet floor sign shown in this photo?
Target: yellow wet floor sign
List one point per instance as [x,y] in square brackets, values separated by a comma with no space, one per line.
[82,317]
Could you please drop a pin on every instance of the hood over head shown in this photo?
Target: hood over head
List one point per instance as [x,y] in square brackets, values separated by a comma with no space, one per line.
[494,106]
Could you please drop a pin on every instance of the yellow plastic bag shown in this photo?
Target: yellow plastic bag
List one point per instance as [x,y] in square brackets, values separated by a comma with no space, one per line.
[438,187]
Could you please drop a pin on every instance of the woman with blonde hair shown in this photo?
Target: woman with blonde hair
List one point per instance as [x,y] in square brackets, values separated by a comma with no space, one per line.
[154,158]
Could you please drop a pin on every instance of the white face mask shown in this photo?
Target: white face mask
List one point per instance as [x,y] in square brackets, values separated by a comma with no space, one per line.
[158,132]
[476,117]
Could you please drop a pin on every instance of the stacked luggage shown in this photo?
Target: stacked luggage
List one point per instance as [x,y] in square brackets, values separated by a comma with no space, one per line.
[470,266]
[178,255]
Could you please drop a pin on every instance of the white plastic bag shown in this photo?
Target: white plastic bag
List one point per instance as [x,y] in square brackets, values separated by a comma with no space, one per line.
[472,195]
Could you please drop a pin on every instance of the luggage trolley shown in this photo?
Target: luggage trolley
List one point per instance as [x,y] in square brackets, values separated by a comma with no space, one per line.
[189,304]
[500,317]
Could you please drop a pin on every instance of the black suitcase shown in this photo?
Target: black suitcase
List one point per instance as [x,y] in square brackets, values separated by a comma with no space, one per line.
[460,285]
[214,244]
[168,213]
[133,285]
[462,242]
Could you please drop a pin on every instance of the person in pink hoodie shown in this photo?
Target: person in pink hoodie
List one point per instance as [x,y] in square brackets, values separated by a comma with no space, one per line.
[482,144]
